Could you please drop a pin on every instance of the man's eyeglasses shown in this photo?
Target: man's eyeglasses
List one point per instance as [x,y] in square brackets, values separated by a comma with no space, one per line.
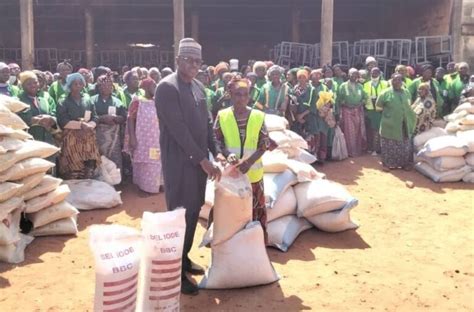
[191,60]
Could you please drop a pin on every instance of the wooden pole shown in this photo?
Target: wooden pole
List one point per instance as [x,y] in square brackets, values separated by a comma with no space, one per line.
[295,25]
[27,34]
[327,20]
[195,25]
[89,40]
[178,22]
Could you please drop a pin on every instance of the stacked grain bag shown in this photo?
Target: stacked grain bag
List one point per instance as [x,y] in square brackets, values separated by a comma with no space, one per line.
[443,157]
[287,168]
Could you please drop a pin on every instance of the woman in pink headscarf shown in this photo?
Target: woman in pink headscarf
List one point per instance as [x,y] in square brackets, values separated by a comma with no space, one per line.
[142,139]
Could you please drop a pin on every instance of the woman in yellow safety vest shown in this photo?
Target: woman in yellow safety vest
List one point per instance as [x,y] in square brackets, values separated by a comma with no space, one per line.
[243,139]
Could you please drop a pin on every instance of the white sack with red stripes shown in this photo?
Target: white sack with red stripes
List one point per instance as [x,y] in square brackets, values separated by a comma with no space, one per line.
[163,239]
[116,250]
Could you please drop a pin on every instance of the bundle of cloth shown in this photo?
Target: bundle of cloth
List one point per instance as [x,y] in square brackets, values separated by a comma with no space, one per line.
[25,188]
[297,196]
[447,155]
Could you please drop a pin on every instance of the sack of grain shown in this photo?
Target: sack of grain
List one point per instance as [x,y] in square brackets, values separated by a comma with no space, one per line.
[8,144]
[439,123]
[232,206]
[276,183]
[443,163]
[335,221]
[467,120]
[283,206]
[452,127]
[8,190]
[466,127]
[15,252]
[296,140]
[47,184]
[447,145]
[10,227]
[205,212]
[469,178]
[320,196]
[291,152]
[9,205]
[48,199]
[470,159]
[305,157]
[66,226]
[283,231]
[275,123]
[274,161]
[30,149]
[8,132]
[454,175]
[109,173]
[116,251]
[304,172]
[420,139]
[12,104]
[454,117]
[468,137]
[25,168]
[29,183]
[288,138]
[52,213]
[12,120]
[92,194]
[163,239]
[466,106]
[245,253]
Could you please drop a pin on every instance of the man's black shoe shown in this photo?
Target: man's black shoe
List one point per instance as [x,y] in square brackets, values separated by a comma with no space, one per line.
[188,287]
[194,268]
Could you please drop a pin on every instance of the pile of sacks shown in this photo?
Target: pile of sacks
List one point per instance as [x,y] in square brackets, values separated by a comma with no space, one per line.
[297,196]
[447,155]
[26,188]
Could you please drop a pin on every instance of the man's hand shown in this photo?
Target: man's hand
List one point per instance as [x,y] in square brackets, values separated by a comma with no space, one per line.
[107,119]
[212,171]
[232,159]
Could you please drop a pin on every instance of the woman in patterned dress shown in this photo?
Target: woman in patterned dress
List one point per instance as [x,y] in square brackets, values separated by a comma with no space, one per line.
[424,108]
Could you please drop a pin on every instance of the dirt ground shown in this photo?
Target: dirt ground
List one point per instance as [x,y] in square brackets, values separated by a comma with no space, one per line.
[412,252]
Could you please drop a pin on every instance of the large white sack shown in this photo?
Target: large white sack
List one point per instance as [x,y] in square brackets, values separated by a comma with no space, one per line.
[452,127]
[439,123]
[455,117]
[160,267]
[454,175]
[470,159]
[275,123]
[284,205]
[109,173]
[334,221]
[92,194]
[15,252]
[288,138]
[29,183]
[29,150]
[304,156]
[276,183]
[210,189]
[320,196]
[274,161]
[296,140]
[447,145]
[9,205]
[14,134]
[283,231]
[26,168]
[66,226]
[466,127]
[47,184]
[304,172]
[467,120]
[232,206]
[116,251]
[10,227]
[8,144]
[12,120]
[12,104]
[48,199]
[468,137]
[444,163]
[52,213]
[420,139]
[291,152]
[205,212]
[469,178]
[242,261]
[8,190]
[466,106]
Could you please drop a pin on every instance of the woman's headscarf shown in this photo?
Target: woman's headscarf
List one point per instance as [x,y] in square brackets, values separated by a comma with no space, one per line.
[275,68]
[302,72]
[222,66]
[259,64]
[27,75]
[73,77]
[237,83]
[146,83]
[127,76]
[105,79]
[324,97]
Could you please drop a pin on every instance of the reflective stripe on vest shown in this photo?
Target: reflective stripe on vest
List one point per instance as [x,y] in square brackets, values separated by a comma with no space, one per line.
[230,130]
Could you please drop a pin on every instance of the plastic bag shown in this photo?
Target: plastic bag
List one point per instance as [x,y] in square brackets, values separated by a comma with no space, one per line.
[109,173]
[339,147]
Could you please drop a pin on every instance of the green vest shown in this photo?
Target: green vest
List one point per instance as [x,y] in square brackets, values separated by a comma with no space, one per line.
[230,130]
[374,92]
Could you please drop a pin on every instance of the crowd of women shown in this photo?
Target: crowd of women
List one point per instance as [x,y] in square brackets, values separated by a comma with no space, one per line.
[94,113]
